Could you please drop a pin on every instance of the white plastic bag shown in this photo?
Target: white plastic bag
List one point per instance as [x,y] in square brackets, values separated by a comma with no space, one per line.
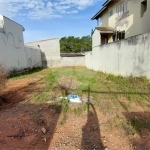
[74,98]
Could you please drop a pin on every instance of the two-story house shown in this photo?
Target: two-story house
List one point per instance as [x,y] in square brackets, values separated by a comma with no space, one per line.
[120,19]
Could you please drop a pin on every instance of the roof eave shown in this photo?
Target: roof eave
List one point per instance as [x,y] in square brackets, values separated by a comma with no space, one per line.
[107,2]
[101,10]
[98,13]
[106,32]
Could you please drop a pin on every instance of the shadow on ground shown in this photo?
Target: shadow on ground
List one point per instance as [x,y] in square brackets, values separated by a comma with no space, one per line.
[91,136]
[138,123]
[28,71]
[24,125]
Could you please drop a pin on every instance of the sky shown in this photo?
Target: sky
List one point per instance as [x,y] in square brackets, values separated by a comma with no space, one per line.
[44,19]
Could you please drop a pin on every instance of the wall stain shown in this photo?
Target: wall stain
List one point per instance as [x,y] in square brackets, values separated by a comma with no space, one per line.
[4,41]
[119,45]
[10,39]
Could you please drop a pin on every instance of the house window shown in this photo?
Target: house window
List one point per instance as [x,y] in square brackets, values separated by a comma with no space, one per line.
[111,13]
[118,35]
[98,22]
[122,8]
[143,7]
[121,35]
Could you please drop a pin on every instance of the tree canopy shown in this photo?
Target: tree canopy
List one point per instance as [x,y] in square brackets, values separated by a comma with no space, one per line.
[73,44]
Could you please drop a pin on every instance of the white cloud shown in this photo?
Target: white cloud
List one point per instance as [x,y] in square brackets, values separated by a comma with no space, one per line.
[42,9]
[30,5]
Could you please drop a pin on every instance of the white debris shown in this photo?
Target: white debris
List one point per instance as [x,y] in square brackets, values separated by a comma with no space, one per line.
[74,98]
[63,97]
[43,130]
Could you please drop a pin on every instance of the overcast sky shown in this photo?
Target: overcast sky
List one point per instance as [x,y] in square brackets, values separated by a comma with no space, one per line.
[44,19]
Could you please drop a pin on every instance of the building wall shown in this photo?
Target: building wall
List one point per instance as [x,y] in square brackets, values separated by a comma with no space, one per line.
[104,18]
[137,24]
[96,38]
[50,49]
[132,22]
[73,61]
[89,60]
[125,57]
[113,21]
[13,54]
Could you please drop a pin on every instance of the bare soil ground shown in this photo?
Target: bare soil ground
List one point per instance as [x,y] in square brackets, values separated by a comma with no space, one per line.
[26,125]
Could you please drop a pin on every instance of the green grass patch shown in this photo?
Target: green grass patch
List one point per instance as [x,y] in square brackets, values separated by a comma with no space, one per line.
[40,98]
[111,93]
[15,74]
[79,110]
[135,125]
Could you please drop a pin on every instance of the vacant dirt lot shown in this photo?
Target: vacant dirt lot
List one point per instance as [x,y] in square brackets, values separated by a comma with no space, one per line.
[32,118]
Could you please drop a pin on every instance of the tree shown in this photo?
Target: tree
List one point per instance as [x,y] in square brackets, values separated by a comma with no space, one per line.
[73,44]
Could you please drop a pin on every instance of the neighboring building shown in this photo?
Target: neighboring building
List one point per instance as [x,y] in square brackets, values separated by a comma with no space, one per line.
[50,51]
[120,19]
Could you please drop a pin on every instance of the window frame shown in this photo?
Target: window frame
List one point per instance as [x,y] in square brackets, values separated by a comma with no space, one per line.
[122,8]
[110,13]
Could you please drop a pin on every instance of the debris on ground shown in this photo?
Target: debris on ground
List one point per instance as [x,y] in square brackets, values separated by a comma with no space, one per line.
[20,135]
[43,130]
[74,98]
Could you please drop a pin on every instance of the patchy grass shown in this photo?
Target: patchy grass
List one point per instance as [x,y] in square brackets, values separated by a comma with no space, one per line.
[40,98]
[64,105]
[119,91]
[14,74]
[111,94]
[79,110]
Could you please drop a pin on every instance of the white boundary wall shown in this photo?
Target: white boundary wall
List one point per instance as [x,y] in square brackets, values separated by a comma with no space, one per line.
[73,61]
[13,54]
[50,49]
[33,57]
[125,57]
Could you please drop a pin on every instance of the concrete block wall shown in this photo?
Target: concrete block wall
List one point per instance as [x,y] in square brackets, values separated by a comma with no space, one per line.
[89,60]
[33,57]
[50,49]
[125,57]
[73,61]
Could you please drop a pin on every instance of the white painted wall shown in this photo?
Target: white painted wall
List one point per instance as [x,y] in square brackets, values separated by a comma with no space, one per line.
[89,60]
[96,38]
[126,57]
[33,57]
[73,61]
[50,49]
[13,54]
